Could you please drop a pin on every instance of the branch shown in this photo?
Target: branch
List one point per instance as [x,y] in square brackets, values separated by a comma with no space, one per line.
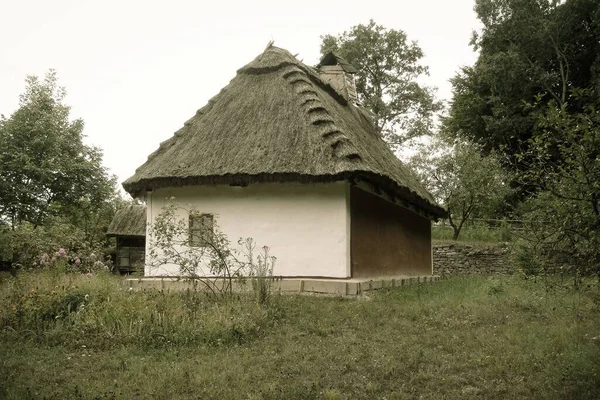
[564,75]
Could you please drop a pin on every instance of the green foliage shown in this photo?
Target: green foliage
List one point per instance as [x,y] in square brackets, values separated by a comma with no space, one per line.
[529,258]
[527,48]
[387,79]
[54,191]
[532,96]
[466,183]
[28,247]
[45,168]
[476,231]
[97,311]
[468,338]
[564,154]
[6,244]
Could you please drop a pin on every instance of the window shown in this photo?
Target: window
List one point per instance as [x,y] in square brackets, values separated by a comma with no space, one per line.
[201,230]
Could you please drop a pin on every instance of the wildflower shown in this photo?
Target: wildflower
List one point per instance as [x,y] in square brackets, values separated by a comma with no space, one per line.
[44,260]
[61,252]
[89,275]
[77,261]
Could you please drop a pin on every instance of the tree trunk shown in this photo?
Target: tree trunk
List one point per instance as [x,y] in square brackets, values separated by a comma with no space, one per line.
[456,232]
[455,228]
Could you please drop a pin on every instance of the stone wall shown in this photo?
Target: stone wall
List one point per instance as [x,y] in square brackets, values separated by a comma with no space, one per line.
[456,258]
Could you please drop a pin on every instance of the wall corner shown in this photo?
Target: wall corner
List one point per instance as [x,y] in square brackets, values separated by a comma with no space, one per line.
[348,231]
[431,245]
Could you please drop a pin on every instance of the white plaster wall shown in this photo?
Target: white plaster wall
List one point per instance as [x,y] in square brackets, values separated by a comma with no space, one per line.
[306,226]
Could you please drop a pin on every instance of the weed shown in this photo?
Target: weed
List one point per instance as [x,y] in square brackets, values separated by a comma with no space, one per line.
[467,337]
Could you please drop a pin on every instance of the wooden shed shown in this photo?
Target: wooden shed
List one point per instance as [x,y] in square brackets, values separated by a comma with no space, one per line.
[129,228]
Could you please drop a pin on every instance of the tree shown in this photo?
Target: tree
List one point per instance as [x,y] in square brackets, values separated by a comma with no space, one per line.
[45,168]
[564,154]
[462,180]
[527,48]
[386,81]
[532,95]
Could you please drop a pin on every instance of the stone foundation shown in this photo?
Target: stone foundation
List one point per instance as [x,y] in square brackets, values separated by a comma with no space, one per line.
[289,285]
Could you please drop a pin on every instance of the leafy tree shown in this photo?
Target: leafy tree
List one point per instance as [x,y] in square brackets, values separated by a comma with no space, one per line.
[45,168]
[386,82]
[462,180]
[527,48]
[564,154]
[532,95]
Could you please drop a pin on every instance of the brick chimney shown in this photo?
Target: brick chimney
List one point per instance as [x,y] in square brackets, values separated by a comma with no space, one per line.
[339,73]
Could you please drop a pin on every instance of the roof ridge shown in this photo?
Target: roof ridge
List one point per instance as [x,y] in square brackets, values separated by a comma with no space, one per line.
[318,115]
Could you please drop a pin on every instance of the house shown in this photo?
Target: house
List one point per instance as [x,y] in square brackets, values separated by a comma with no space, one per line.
[129,228]
[284,155]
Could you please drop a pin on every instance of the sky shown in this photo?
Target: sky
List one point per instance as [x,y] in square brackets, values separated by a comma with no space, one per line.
[135,71]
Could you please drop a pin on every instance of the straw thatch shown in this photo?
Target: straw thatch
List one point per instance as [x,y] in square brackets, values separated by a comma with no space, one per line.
[128,221]
[278,121]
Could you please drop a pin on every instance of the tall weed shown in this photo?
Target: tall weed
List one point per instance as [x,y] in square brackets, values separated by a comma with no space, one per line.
[100,311]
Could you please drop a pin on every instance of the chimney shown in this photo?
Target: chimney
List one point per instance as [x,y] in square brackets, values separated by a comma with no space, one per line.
[339,73]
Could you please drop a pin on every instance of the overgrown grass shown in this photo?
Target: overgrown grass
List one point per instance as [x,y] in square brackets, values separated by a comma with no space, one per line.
[99,311]
[467,338]
[475,232]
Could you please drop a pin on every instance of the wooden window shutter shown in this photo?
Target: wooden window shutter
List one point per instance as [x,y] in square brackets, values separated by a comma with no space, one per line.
[201,230]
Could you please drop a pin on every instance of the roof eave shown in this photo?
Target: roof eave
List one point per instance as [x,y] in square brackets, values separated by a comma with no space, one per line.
[140,187]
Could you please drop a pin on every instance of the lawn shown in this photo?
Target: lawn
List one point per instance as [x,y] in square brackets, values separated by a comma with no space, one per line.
[461,338]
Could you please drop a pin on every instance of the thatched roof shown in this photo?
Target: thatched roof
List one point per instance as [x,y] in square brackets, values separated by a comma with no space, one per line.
[278,121]
[128,221]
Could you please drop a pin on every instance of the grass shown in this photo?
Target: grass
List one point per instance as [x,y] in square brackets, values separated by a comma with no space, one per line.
[475,232]
[467,338]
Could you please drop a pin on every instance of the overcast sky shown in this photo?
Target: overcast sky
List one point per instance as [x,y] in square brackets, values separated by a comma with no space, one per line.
[135,71]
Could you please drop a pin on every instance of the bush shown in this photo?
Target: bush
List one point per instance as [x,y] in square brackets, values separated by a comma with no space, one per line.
[528,258]
[171,243]
[58,245]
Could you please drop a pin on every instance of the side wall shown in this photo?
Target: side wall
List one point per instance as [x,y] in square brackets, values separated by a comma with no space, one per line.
[305,225]
[387,239]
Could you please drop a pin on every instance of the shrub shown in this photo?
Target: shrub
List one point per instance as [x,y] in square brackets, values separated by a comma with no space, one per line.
[171,243]
[57,245]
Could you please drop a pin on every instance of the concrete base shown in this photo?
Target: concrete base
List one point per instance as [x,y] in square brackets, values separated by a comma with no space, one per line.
[286,285]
